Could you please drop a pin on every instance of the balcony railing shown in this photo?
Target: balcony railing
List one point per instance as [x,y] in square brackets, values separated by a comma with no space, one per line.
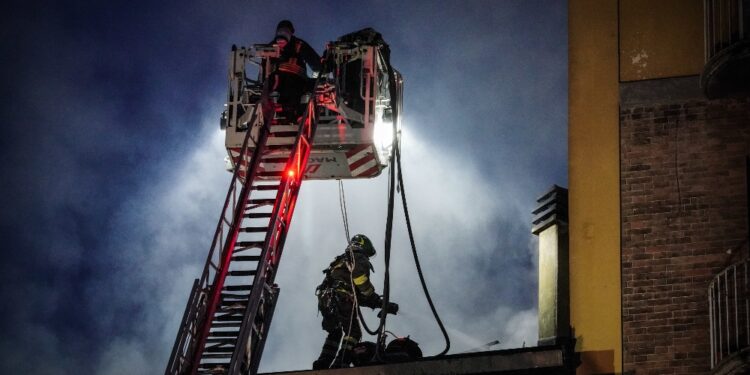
[729,312]
[726,23]
[726,49]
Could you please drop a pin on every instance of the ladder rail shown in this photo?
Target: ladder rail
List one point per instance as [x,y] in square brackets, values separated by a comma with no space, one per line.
[190,311]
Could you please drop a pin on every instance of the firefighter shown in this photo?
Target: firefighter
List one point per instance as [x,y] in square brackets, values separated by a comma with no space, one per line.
[289,72]
[346,278]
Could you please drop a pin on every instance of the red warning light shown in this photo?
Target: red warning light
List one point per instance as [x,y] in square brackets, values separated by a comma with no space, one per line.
[290,173]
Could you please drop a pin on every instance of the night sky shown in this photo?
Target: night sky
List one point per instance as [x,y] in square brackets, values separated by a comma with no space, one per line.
[113,174]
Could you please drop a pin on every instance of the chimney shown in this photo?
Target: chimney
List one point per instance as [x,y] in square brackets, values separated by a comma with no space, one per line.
[551,225]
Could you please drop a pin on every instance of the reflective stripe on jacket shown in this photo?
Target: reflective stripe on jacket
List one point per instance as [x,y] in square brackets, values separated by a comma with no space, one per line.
[295,56]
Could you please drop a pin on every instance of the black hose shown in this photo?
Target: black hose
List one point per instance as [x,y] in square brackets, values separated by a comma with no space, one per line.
[385,50]
[364,324]
[416,257]
[396,156]
[387,257]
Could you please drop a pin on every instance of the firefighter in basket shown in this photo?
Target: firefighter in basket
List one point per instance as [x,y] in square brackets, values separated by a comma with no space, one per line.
[289,72]
[346,284]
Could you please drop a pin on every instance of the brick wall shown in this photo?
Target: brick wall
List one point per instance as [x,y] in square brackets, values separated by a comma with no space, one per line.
[684,204]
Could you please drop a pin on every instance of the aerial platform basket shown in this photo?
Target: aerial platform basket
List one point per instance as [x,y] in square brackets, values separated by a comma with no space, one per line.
[358,99]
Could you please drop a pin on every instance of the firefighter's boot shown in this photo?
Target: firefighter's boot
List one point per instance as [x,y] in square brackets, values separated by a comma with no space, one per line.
[346,354]
[322,363]
[328,352]
[343,359]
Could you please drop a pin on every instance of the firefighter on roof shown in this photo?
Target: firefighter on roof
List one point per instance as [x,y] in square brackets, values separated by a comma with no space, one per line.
[289,75]
[346,283]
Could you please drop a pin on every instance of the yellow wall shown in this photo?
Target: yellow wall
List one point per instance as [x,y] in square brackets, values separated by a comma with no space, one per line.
[660,39]
[594,184]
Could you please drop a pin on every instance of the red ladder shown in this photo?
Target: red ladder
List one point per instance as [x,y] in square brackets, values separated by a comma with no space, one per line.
[229,311]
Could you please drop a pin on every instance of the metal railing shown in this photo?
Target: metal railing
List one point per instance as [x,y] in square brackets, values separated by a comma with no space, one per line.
[726,22]
[729,312]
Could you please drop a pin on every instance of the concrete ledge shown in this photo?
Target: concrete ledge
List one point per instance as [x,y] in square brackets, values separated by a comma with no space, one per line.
[659,91]
[536,360]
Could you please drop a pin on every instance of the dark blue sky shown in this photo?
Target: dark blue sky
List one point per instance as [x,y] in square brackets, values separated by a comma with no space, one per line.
[112,171]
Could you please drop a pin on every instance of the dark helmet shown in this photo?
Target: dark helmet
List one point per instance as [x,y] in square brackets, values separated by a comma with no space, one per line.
[284,30]
[285,24]
[361,243]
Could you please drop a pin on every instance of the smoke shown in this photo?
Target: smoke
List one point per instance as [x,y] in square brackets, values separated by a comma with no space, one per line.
[161,234]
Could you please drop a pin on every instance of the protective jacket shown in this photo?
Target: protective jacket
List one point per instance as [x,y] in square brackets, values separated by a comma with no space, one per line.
[339,278]
[294,56]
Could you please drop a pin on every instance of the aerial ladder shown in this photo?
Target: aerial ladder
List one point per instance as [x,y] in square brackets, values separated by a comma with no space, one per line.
[347,130]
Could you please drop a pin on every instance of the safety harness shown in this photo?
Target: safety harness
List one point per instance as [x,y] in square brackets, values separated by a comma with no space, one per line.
[329,290]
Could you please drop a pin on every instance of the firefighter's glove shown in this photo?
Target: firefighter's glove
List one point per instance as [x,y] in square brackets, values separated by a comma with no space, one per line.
[392,308]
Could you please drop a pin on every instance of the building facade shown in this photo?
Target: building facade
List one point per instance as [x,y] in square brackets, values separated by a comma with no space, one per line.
[659,138]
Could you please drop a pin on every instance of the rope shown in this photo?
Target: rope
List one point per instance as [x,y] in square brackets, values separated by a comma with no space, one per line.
[344,213]
[355,303]
[345,219]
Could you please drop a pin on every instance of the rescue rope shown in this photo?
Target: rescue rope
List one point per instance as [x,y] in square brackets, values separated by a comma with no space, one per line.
[345,219]
[344,213]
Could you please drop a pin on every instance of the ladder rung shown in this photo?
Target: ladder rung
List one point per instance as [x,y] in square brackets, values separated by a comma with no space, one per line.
[246,258]
[219,349]
[250,244]
[242,273]
[228,318]
[212,366]
[216,340]
[257,215]
[237,288]
[212,355]
[254,229]
[232,334]
[270,174]
[263,200]
[226,324]
[223,344]
[234,307]
[266,187]
[235,296]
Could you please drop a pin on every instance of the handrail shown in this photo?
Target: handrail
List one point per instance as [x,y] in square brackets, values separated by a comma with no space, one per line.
[729,311]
